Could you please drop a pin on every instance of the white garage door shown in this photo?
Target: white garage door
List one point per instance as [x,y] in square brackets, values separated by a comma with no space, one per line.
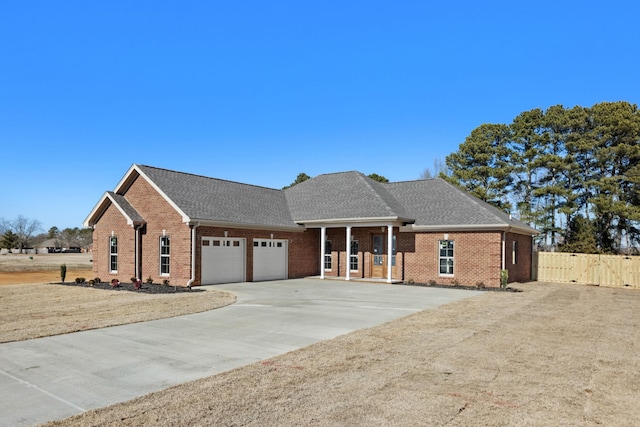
[223,260]
[269,259]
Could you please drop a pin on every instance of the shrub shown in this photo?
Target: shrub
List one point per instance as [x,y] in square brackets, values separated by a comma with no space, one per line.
[134,280]
[480,285]
[432,282]
[92,282]
[455,282]
[149,280]
[115,283]
[63,272]
[504,278]
[165,282]
[80,280]
[97,280]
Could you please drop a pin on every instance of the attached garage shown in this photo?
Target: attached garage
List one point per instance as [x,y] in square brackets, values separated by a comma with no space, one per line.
[270,259]
[223,260]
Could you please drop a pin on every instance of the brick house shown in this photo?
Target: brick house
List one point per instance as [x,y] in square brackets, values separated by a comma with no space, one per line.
[194,230]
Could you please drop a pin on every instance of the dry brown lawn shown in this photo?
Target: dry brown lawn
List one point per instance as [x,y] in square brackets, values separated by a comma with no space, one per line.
[551,355]
[33,309]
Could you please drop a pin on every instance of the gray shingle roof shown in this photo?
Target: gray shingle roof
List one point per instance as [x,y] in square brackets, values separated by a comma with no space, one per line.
[203,198]
[340,196]
[435,202]
[348,196]
[126,207]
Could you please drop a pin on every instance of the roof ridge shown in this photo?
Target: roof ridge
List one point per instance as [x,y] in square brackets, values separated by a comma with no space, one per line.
[209,177]
[372,183]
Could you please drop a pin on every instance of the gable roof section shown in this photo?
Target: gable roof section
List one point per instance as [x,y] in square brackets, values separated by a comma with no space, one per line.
[343,197]
[439,205]
[130,214]
[203,199]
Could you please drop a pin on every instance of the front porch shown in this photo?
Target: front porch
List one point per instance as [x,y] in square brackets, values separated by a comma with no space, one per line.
[363,252]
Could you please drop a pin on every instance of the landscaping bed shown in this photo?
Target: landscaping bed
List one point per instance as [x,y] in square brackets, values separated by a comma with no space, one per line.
[469,288]
[148,288]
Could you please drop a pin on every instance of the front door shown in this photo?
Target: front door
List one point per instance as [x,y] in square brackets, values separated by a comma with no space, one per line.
[379,256]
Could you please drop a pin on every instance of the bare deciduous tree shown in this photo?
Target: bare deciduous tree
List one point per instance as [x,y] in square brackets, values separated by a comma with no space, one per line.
[24,228]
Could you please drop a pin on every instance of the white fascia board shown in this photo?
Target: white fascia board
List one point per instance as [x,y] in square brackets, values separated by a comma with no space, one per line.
[237,225]
[88,220]
[101,206]
[469,227]
[185,217]
[125,179]
[124,214]
[353,222]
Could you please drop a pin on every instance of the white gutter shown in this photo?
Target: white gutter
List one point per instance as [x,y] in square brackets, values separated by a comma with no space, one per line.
[193,255]
[470,227]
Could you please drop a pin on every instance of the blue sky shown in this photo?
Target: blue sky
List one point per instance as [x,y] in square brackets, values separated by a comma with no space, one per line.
[257,91]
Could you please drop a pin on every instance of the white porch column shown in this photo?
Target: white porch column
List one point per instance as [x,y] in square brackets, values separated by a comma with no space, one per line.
[323,238]
[389,251]
[348,252]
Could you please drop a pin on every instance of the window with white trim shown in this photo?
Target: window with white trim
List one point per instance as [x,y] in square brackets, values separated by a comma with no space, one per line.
[353,256]
[514,253]
[445,256]
[113,254]
[165,255]
[327,255]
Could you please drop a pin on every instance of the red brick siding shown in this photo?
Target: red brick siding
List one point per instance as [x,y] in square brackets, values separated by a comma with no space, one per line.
[113,221]
[160,215]
[521,270]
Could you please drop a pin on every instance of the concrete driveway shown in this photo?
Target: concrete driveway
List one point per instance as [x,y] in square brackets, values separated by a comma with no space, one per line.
[56,377]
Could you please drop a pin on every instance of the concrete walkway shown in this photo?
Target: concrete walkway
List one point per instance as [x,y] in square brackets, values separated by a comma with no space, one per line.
[56,377]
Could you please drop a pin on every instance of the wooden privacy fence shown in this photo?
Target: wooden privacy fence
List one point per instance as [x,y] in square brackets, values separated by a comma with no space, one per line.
[587,269]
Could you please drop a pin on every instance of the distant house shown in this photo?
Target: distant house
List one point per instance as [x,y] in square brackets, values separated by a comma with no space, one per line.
[57,246]
[195,230]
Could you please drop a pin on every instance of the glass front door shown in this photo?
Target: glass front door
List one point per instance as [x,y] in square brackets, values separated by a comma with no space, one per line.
[379,256]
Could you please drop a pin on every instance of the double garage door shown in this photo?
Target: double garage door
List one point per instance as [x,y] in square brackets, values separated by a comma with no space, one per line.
[224,259]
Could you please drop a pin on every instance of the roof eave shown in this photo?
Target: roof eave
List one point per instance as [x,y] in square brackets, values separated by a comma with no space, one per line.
[102,206]
[97,211]
[128,179]
[472,227]
[229,224]
[357,222]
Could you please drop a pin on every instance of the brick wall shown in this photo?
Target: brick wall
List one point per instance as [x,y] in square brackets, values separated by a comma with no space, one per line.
[520,271]
[112,221]
[477,258]
[161,218]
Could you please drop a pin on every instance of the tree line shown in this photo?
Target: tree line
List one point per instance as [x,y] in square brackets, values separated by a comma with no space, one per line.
[22,233]
[572,173]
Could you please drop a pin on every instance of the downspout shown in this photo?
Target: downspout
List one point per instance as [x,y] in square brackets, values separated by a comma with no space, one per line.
[193,255]
[504,243]
[137,255]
